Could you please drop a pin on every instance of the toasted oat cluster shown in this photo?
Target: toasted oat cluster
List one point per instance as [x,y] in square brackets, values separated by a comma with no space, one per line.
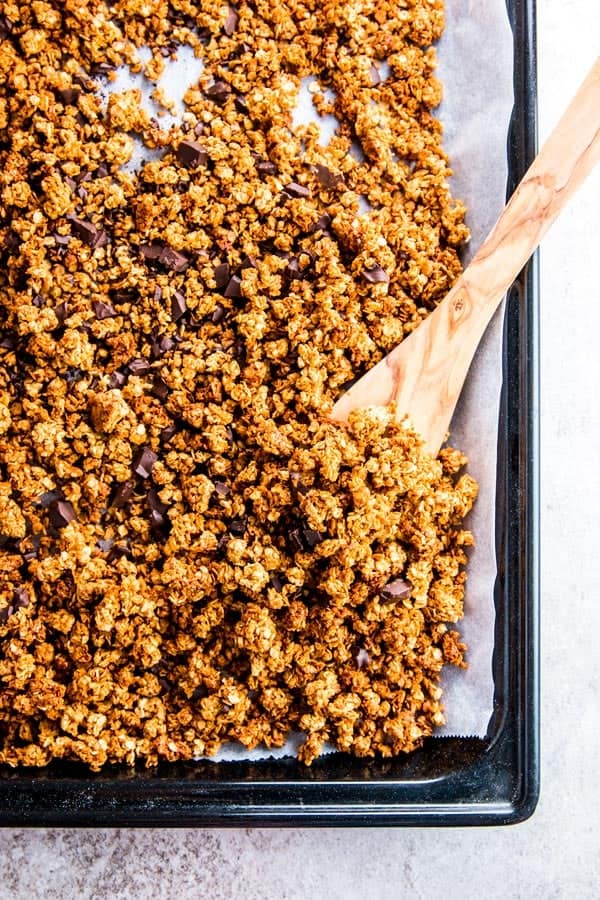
[190,553]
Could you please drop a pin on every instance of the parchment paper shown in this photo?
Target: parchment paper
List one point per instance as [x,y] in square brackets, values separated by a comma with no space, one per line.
[476,68]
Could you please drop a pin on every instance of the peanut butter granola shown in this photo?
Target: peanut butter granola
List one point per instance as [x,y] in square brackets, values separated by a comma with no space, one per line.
[190,553]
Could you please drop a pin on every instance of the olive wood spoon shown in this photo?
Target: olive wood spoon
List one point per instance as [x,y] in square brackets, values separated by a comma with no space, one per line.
[424,375]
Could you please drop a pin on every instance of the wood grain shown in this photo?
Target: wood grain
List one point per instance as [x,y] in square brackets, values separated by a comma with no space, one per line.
[425,374]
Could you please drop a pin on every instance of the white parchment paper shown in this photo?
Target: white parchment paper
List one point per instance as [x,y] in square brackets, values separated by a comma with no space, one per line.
[476,68]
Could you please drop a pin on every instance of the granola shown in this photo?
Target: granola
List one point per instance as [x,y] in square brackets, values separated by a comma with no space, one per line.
[190,553]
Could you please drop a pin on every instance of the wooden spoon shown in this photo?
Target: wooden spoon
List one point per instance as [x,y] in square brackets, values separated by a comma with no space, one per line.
[424,375]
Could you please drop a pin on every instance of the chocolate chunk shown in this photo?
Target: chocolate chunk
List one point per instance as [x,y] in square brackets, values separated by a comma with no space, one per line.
[296,541]
[322,223]
[293,189]
[218,314]
[231,22]
[248,262]
[151,252]
[101,69]
[362,658]
[61,312]
[49,497]
[157,510]
[105,545]
[21,598]
[160,389]
[123,494]
[144,461]
[6,27]
[222,274]
[328,179]
[173,260]
[61,513]
[192,154]
[74,374]
[266,167]
[241,104]
[234,287]
[69,95]
[161,345]
[124,295]
[8,341]
[117,379]
[167,433]
[117,552]
[87,232]
[30,547]
[199,129]
[277,583]
[62,241]
[238,526]
[375,275]
[311,537]
[178,306]
[138,366]
[218,92]
[5,613]
[396,590]
[104,310]
[375,75]
[292,269]
[157,293]
[222,489]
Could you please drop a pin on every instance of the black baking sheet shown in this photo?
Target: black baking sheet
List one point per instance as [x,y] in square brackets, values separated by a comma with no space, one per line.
[450,781]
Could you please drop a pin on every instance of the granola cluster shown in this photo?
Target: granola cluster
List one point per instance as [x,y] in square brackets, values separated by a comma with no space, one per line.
[190,553]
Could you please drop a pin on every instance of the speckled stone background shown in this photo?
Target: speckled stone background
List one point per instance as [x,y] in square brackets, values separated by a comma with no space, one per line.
[557,853]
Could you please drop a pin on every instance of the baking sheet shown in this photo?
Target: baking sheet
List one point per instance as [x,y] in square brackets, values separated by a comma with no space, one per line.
[478,100]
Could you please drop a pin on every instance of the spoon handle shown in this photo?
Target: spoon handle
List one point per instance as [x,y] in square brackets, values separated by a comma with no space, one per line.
[424,375]
[564,162]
